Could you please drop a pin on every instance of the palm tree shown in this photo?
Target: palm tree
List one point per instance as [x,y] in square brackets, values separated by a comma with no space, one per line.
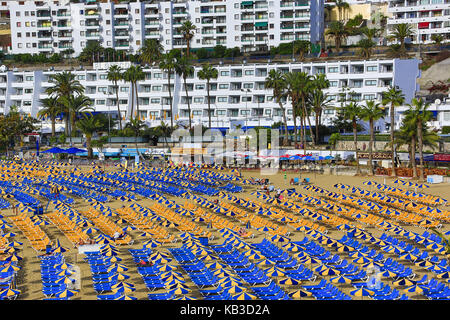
[50,108]
[88,126]
[133,75]
[301,47]
[184,68]
[76,105]
[276,81]
[136,125]
[207,73]
[63,85]
[371,112]
[365,48]
[342,7]
[319,101]
[187,30]
[400,32]
[168,63]
[306,86]
[339,32]
[115,75]
[421,115]
[352,112]
[291,85]
[395,98]
[150,52]
[333,140]
[437,38]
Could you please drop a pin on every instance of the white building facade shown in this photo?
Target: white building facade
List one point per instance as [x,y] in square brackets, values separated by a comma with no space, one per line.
[428,17]
[55,26]
[238,94]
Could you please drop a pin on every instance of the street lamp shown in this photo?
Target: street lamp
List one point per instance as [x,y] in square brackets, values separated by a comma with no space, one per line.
[246,108]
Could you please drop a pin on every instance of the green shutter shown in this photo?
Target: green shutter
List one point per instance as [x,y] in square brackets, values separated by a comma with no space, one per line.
[246,3]
[261,24]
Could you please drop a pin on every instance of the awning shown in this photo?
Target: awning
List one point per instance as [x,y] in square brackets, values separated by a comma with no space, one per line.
[246,3]
[424,25]
[261,24]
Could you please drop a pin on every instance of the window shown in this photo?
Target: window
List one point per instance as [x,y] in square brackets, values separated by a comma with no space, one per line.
[137,21]
[167,31]
[200,87]
[372,68]
[236,38]
[224,73]
[249,72]
[100,102]
[27,13]
[248,85]
[107,11]
[198,100]
[28,91]
[371,82]
[167,21]
[157,75]
[269,98]
[155,100]
[108,32]
[222,99]
[19,45]
[18,24]
[124,89]
[108,22]
[328,111]
[108,43]
[138,32]
[223,86]
[446,115]
[28,45]
[197,112]
[103,76]
[102,89]
[82,33]
[138,42]
[333,69]
[156,88]
[81,77]
[27,103]
[246,99]
[18,14]
[136,10]
[19,35]
[333,84]
[245,112]
[236,5]
[236,17]
[197,20]
[236,28]
[220,112]
[271,15]
[123,101]
[369,97]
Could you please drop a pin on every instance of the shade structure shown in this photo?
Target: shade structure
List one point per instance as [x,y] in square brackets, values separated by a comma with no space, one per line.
[362,292]
[299,294]
[341,279]
[289,281]
[403,282]
[235,289]
[245,296]
[414,289]
[126,297]
[54,150]
[8,293]
[178,291]
[66,293]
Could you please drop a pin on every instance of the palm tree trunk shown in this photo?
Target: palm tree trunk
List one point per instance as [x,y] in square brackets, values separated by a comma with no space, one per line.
[66,124]
[371,147]
[132,100]
[285,140]
[420,138]
[189,105]
[317,127]
[88,146]
[118,105]
[355,141]
[209,104]
[309,122]
[413,156]
[170,100]
[53,126]
[295,126]
[393,174]
[302,134]
[137,100]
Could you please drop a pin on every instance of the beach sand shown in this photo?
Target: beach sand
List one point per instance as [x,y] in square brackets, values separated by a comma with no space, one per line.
[29,277]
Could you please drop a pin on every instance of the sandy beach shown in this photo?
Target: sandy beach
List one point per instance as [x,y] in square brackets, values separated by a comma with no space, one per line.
[29,277]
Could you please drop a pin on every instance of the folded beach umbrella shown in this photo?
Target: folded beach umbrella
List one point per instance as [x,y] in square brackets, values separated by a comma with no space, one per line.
[235,289]
[362,260]
[179,291]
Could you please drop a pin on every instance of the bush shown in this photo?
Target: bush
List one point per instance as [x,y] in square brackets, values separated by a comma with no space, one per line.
[446,130]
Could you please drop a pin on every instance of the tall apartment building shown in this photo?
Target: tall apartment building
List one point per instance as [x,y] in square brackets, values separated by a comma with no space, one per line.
[428,17]
[238,94]
[54,26]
